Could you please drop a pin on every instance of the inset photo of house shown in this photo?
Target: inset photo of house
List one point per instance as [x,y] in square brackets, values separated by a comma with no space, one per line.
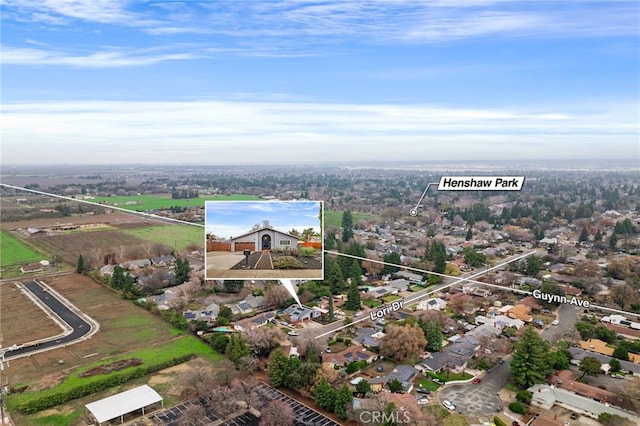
[264,240]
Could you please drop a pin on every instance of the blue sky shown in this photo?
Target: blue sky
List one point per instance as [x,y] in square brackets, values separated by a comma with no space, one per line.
[228,219]
[219,82]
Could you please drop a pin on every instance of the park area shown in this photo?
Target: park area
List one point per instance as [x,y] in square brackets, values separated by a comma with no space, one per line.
[126,332]
[334,218]
[14,253]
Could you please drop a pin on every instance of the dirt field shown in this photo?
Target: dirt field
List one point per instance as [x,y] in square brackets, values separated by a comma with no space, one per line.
[21,320]
[123,327]
[113,219]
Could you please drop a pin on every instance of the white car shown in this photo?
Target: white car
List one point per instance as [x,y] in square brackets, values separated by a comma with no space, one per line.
[450,405]
[293,333]
[555,322]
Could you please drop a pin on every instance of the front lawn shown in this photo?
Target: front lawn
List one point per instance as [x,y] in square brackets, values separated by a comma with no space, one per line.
[371,303]
[451,377]
[391,298]
[425,383]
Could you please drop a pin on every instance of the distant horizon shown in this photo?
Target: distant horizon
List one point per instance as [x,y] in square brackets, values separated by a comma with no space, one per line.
[302,82]
[513,162]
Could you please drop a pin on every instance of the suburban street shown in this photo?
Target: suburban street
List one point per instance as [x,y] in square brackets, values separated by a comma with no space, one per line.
[80,327]
[482,399]
[325,331]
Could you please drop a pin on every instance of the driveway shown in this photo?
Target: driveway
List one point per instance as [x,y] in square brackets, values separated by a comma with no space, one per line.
[482,399]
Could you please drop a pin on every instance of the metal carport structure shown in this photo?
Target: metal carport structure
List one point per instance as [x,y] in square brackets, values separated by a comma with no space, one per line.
[123,403]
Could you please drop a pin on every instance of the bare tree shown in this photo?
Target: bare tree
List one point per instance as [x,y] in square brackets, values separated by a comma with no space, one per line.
[264,339]
[222,401]
[275,295]
[403,342]
[225,372]
[197,380]
[194,415]
[277,413]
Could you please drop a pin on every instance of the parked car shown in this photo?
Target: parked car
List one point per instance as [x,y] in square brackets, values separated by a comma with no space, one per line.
[450,405]
[555,322]
[574,416]
[293,333]
[476,380]
[380,369]
[617,376]
[423,390]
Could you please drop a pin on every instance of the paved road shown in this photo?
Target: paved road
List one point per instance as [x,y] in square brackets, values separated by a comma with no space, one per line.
[481,399]
[409,298]
[80,326]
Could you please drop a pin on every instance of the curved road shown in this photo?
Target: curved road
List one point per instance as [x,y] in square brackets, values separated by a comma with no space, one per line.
[482,399]
[80,327]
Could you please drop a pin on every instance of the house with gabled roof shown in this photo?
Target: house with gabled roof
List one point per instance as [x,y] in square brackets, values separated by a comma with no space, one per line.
[298,313]
[351,354]
[405,374]
[264,238]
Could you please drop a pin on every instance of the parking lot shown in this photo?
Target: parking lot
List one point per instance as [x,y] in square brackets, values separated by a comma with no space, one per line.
[304,416]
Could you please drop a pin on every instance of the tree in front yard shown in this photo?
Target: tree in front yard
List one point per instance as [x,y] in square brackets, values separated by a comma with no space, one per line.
[530,362]
[395,386]
[589,365]
[403,342]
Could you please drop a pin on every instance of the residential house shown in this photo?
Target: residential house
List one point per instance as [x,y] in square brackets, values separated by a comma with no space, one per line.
[545,397]
[31,267]
[433,304]
[254,322]
[264,238]
[406,374]
[412,277]
[350,354]
[378,292]
[521,312]
[299,313]
[369,337]
[249,304]
[400,284]
[597,345]
[578,354]
[591,392]
[163,260]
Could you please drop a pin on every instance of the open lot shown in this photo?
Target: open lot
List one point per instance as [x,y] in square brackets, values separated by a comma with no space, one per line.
[21,320]
[15,252]
[157,202]
[334,218]
[175,236]
[124,327]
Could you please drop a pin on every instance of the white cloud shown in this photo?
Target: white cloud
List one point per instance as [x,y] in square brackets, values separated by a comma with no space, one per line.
[277,132]
[113,57]
[378,21]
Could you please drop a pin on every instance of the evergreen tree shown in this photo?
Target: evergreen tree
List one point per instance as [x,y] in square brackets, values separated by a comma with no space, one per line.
[363,387]
[395,386]
[353,297]
[118,279]
[344,398]
[615,365]
[621,352]
[182,270]
[589,365]
[332,315]
[584,235]
[325,396]
[347,226]
[613,241]
[469,235]
[333,276]
[237,348]
[277,369]
[394,258]
[530,361]
[533,266]
[355,272]
[80,268]
[598,236]
[433,334]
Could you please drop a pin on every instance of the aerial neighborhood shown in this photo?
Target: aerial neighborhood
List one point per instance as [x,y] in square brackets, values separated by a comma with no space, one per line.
[499,309]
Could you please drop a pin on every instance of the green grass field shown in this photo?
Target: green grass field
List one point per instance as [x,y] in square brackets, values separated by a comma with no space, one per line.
[150,356]
[15,252]
[334,218]
[156,202]
[175,236]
